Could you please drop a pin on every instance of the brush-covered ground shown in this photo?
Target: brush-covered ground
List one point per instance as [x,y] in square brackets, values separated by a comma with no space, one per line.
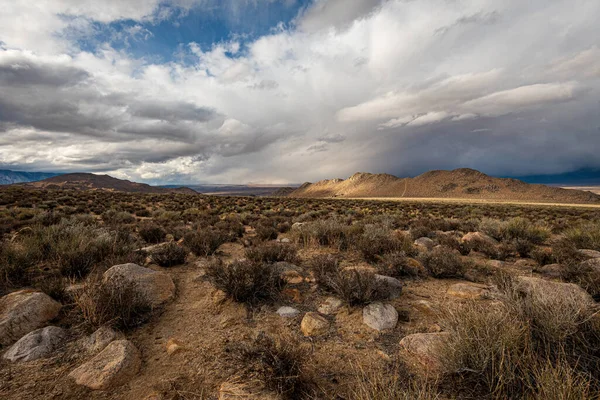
[282,298]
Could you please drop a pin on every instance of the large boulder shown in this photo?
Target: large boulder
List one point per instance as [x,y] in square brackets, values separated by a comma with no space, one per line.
[423,351]
[156,286]
[24,311]
[380,316]
[528,285]
[424,243]
[479,237]
[37,344]
[314,324]
[113,366]
[101,338]
[389,287]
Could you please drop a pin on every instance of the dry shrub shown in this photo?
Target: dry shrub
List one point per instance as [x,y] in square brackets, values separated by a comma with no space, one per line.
[152,233]
[55,287]
[377,241]
[323,267]
[443,262]
[117,303]
[277,364]
[585,236]
[397,264]
[356,288]
[560,381]
[272,252]
[169,255]
[266,232]
[204,242]
[325,232]
[246,281]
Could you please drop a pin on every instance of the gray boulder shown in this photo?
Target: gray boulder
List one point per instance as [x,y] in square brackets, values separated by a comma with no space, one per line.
[37,344]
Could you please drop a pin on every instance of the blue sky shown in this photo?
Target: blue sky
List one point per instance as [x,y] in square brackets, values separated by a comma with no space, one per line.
[277,91]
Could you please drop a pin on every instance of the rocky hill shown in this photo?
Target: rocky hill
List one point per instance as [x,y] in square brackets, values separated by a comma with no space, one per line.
[87,181]
[8,177]
[459,183]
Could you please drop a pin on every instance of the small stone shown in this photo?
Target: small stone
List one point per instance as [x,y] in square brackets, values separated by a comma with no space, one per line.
[424,307]
[495,264]
[389,287]
[286,240]
[551,270]
[424,243]
[292,277]
[292,294]
[113,366]
[330,306]
[481,237]
[379,316]
[468,291]
[24,311]
[589,253]
[592,263]
[314,324]
[219,297]
[37,344]
[100,339]
[423,351]
[174,346]
[287,312]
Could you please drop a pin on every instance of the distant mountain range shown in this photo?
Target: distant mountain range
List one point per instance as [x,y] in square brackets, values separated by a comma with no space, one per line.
[461,183]
[87,181]
[8,177]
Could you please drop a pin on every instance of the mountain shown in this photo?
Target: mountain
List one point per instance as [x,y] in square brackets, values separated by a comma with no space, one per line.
[87,181]
[8,177]
[461,183]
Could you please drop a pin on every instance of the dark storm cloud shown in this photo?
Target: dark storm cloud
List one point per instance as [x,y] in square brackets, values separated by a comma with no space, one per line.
[171,111]
[18,71]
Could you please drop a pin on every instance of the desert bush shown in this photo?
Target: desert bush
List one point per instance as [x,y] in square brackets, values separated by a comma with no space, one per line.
[355,287]
[397,264]
[55,287]
[169,255]
[557,380]
[323,268]
[542,256]
[328,232]
[584,236]
[15,262]
[442,262]
[152,233]
[377,241]
[231,228]
[114,217]
[116,303]
[277,364]
[246,281]
[272,252]
[266,232]
[523,229]
[203,242]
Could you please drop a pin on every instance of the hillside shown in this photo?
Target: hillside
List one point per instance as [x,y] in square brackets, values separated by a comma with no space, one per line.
[8,177]
[460,183]
[87,181]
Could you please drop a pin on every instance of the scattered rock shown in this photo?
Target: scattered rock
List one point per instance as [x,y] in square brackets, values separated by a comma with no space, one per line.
[114,366]
[589,253]
[525,264]
[424,243]
[101,338]
[219,297]
[551,270]
[37,344]
[24,311]
[157,287]
[285,240]
[593,263]
[422,351]
[297,225]
[380,316]
[527,285]
[468,291]
[388,286]
[174,346]
[292,294]
[424,307]
[292,277]
[330,306]
[287,312]
[479,237]
[314,324]
[495,263]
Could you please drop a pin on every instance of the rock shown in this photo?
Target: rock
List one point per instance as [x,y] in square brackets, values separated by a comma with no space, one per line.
[422,351]
[481,237]
[314,324]
[285,240]
[468,291]
[589,253]
[174,346]
[525,264]
[379,316]
[297,225]
[424,243]
[113,366]
[414,267]
[330,306]
[388,286]
[218,297]
[495,264]
[528,285]
[424,307]
[292,277]
[287,312]
[551,270]
[593,263]
[24,311]
[100,339]
[292,294]
[37,344]
[157,287]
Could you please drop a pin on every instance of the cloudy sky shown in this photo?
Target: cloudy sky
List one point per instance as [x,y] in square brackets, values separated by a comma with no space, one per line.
[275,91]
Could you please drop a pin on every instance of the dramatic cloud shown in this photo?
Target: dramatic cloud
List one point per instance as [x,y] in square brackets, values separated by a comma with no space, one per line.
[511,88]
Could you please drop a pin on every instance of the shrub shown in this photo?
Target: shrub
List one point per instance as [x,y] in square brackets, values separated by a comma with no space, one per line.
[272,252]
[55,287]
[246,281]
[152,233]
[520,228]
[327,232]
[396,264]
[15,262]
[114,217]
[116,303]
[323,268]
[266,232]
[277,364]
[356,288]
[203,242]
[585,236]
[377,241]
[169,255]
[443,262]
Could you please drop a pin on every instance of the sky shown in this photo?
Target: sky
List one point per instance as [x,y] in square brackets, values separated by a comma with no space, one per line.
[288,91]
